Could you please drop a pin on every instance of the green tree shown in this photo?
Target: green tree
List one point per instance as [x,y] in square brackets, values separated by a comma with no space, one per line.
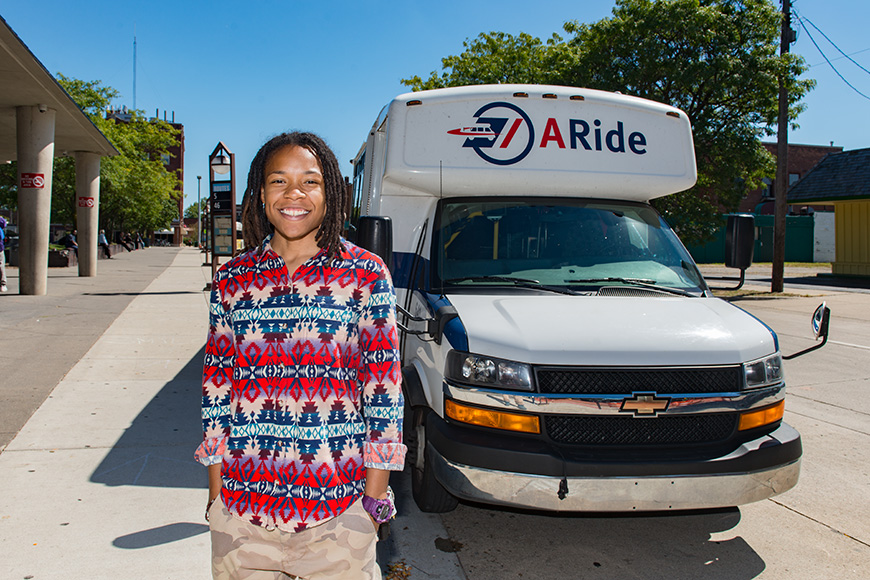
[190,211]
[137,192]
[718,60]
[8,186]
[497,58]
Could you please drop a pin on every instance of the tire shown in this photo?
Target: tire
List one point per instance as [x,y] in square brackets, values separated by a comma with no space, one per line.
[429,495]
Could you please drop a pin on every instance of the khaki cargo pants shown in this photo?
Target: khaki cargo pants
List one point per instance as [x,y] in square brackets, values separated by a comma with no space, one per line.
[342,548]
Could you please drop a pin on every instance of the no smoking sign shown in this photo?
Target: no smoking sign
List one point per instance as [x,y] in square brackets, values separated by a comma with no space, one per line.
[32,181]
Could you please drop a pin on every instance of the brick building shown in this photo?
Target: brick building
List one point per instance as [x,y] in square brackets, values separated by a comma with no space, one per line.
[173,162]
[801,159]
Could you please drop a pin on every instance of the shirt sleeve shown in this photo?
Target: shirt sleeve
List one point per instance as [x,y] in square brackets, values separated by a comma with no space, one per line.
[380,375]
[217,379]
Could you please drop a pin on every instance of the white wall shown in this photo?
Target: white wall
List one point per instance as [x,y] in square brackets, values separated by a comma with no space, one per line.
[824,238]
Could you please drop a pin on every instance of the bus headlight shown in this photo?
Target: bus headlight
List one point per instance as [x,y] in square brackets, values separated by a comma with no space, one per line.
[763,372]
[486,371]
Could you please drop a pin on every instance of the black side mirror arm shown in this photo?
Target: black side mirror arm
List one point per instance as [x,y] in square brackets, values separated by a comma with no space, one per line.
[821,321]
[434,326]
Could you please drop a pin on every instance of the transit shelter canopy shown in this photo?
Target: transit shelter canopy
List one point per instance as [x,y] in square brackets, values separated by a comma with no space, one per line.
[26,82]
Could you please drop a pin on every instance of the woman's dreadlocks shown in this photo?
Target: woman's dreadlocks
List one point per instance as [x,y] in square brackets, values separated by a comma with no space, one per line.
[255,224]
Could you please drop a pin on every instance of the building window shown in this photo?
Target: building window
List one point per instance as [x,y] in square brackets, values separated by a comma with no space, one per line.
[793,178]
[766,188]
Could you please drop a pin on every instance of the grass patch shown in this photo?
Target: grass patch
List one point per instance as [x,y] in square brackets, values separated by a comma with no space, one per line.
[808,265]
[756,295]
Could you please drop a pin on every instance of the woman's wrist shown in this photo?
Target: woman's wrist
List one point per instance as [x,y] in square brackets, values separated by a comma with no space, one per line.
[209,504]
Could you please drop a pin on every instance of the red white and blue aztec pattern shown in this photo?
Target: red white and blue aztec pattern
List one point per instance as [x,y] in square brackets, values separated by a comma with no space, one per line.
[301,384]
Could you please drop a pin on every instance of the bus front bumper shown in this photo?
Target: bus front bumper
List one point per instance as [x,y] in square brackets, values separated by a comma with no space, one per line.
[756,470]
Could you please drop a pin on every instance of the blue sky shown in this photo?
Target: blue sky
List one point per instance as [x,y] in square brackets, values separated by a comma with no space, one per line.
[240,72]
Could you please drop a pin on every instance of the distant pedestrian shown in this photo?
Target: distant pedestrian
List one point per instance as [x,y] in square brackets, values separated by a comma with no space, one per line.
[140,245]
[104,243]
[3,287]
[125,241]
[301,437]
[70,242]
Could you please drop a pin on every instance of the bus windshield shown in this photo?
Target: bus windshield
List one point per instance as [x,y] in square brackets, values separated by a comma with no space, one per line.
[559,242]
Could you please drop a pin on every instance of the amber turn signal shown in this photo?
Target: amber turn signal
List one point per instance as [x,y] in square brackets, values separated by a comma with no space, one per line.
[492,419]
[761,417]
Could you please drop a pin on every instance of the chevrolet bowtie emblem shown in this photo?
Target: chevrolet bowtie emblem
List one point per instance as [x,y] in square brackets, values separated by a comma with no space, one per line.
[644,404]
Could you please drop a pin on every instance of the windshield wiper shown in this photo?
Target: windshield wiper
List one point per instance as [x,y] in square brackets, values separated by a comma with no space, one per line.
[520,282]
[491,279]
[642,282]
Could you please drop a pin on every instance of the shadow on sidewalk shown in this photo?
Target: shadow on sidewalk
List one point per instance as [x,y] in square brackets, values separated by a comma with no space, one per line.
[173,293]
[159,536]
[157,449]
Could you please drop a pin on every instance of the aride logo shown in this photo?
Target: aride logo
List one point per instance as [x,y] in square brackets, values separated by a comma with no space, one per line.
[504,134]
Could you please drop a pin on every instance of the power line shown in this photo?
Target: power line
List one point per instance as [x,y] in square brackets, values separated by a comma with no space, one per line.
[841,57]
[801,20]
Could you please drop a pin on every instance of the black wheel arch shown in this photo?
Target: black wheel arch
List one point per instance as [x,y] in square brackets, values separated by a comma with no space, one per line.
[412,387]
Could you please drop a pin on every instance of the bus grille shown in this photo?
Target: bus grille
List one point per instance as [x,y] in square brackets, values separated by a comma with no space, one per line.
[623,381]
[631,431]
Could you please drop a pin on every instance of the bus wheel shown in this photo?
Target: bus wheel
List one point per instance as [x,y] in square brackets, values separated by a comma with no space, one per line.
[429,495]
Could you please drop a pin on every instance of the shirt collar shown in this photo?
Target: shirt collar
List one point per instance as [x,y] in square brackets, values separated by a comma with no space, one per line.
[267,253]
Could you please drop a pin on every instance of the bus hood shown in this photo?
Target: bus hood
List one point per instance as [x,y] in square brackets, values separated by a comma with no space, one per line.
[612,331]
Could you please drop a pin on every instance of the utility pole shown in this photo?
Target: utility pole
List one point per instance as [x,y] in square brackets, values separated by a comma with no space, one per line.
[198,214]
[134,67]
[781,186]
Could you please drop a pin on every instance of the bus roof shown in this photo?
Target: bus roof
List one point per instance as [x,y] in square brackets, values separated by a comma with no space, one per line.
[536,140]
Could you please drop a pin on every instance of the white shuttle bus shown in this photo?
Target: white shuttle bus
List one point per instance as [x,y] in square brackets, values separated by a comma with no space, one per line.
[560,349]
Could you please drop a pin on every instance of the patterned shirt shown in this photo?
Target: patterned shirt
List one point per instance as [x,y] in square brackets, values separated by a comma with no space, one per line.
[301,384]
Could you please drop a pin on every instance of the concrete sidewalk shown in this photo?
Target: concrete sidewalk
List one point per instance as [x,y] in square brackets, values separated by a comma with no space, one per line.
[43,337]
[100,482]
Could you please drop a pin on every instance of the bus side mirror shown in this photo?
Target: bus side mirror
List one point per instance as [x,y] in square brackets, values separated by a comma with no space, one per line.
[739,241]
[739,247]
[375,234]
[821,321]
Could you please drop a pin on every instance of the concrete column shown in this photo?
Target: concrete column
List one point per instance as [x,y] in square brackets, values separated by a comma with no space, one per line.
[35,129]
[88,210]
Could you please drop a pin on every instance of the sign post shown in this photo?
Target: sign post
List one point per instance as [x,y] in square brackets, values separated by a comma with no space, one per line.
[222,204]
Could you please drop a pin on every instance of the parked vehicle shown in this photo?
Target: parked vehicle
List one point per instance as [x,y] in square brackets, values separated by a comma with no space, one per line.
[560,348]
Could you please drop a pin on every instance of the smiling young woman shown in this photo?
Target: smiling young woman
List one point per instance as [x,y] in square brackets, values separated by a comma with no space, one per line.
[294,202]
[301,394]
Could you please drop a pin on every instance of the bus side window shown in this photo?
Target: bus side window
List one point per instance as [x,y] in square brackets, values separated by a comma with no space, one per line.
[356,199]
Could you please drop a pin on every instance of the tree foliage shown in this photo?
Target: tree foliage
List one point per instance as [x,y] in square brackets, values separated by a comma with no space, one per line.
[137,192]
[498,57]
[190,211]
[8,186]
[718,60]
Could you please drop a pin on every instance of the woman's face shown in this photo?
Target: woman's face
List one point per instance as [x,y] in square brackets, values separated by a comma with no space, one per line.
[293,195]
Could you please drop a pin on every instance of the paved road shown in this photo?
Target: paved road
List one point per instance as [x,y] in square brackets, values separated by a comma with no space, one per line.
[42,337]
